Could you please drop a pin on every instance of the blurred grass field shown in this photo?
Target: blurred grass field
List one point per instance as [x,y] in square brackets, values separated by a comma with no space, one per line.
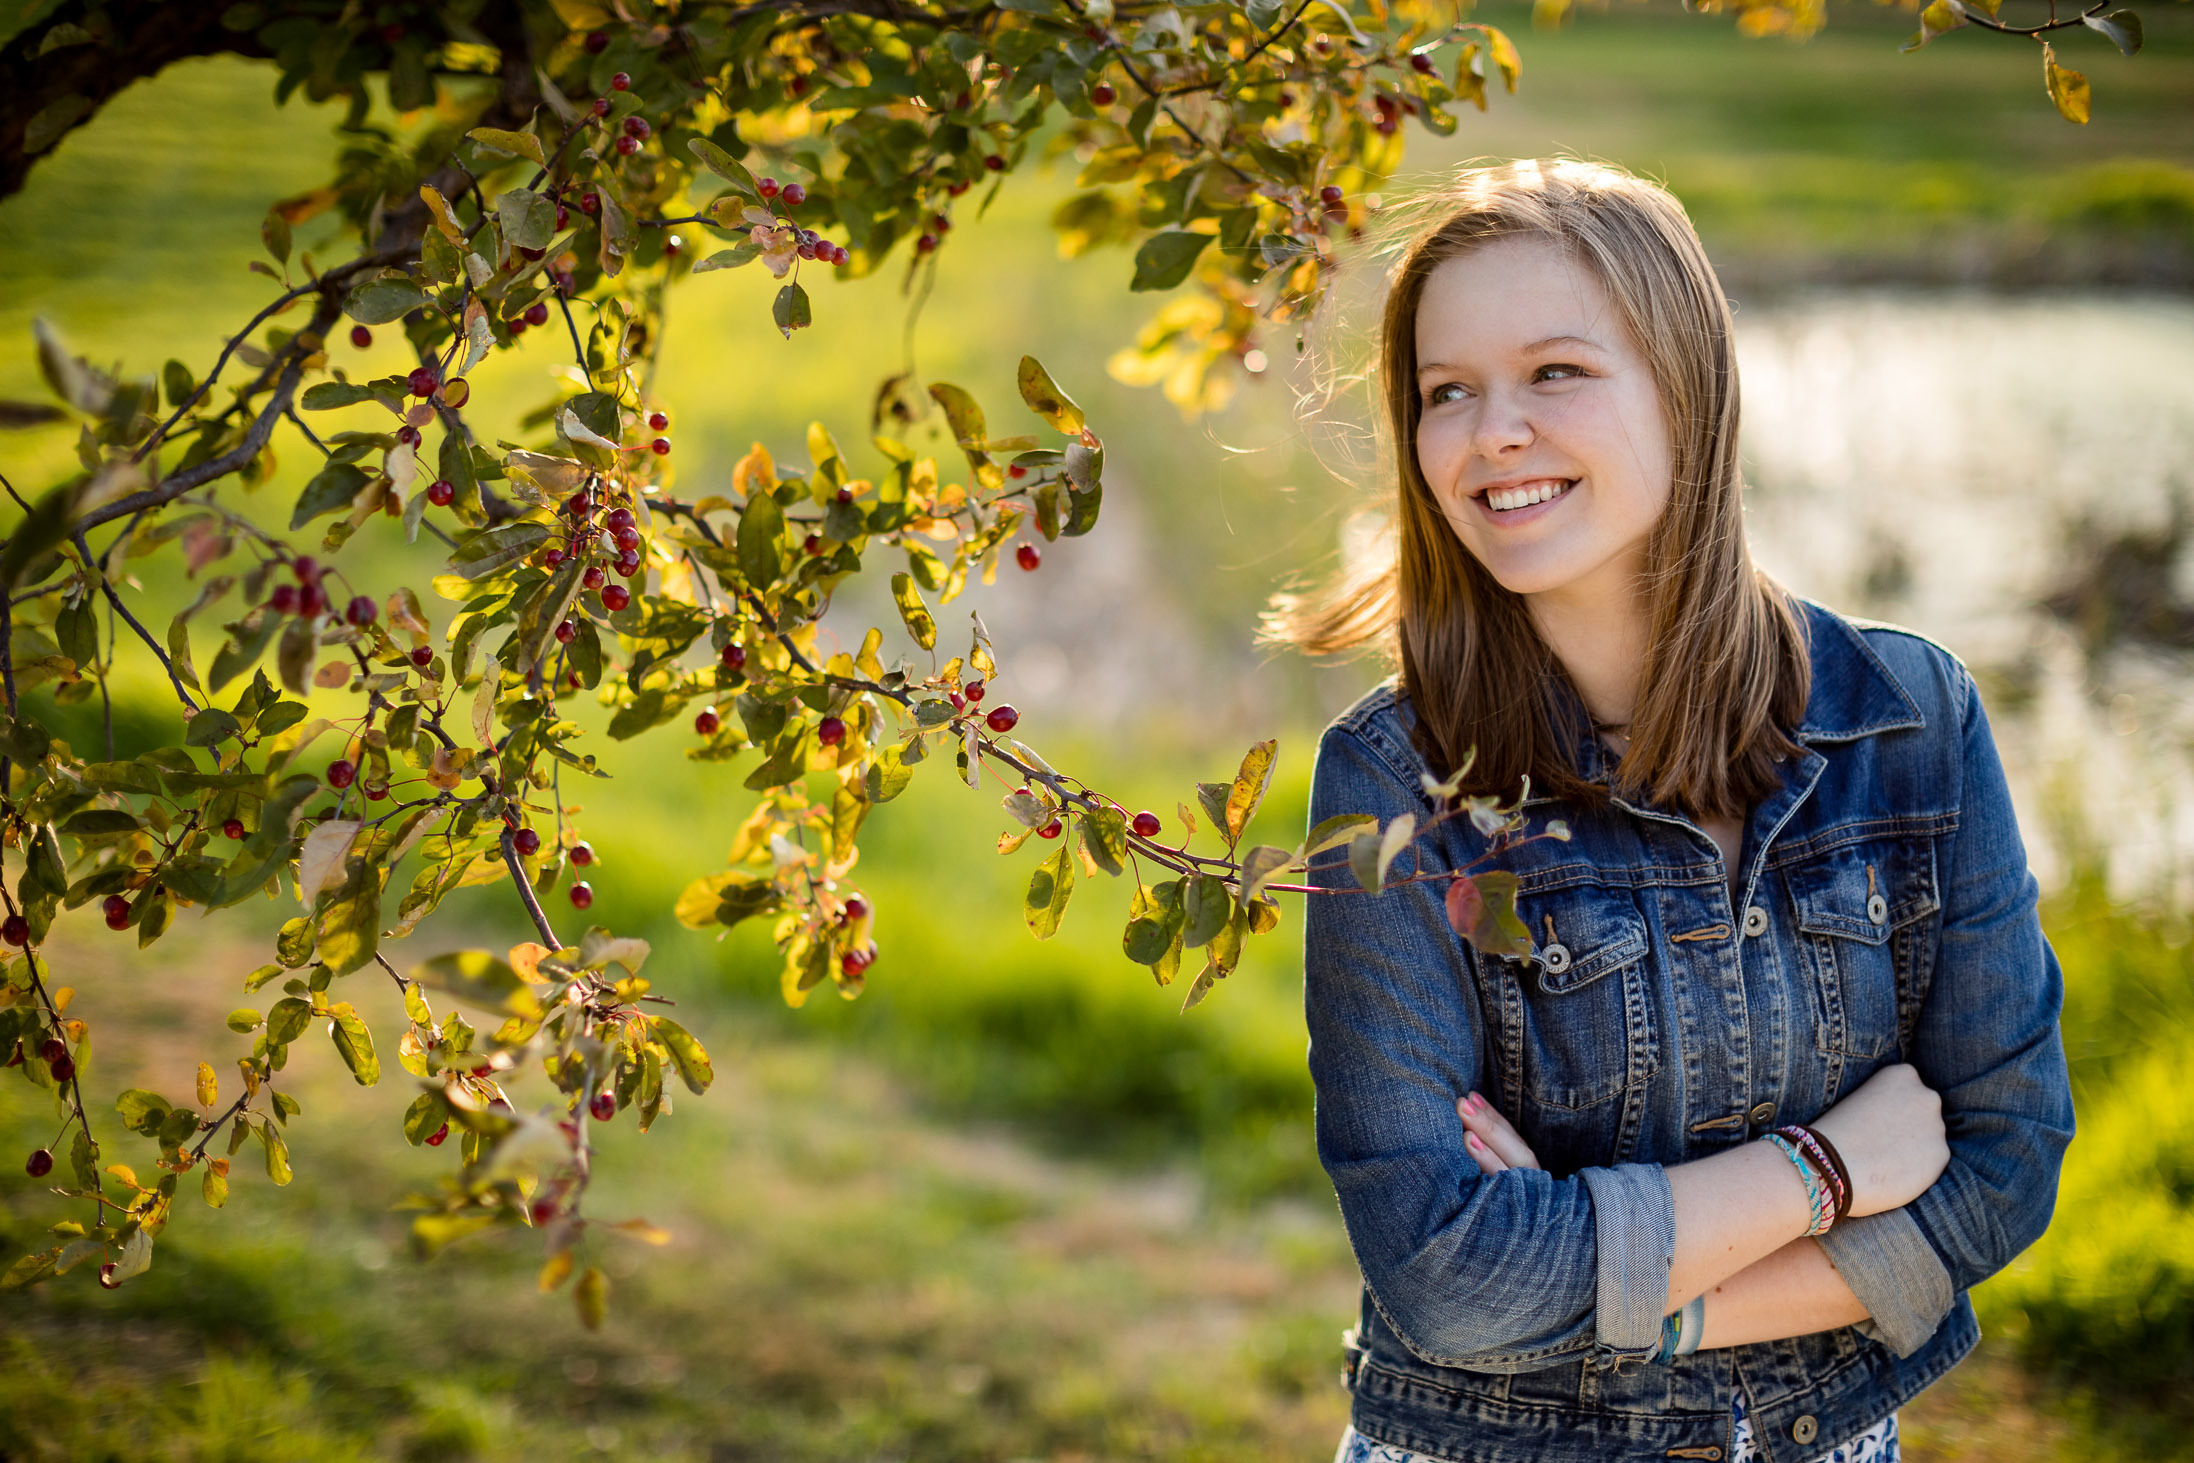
[1010,1203]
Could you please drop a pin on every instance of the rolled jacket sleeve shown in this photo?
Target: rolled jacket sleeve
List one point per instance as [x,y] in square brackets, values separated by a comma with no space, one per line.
[1987,1040]
[1509,1272]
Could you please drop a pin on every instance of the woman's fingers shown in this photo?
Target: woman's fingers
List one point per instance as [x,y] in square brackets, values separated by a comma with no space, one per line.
[1489,1162]
[1491,1129]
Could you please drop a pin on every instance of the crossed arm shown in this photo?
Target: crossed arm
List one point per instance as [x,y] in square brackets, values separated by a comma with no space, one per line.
[1726,1216]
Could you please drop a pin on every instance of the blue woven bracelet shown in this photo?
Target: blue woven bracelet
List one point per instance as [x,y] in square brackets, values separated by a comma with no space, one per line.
[1820,1198]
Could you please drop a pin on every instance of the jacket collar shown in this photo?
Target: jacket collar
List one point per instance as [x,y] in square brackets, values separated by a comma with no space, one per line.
[1853,693]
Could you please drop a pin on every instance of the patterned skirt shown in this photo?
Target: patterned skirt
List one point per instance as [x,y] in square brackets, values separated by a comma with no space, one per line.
[1878,1444]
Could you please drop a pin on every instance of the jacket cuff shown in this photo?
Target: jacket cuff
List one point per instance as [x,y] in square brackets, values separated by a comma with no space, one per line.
[1634,1222]
[1896,1275]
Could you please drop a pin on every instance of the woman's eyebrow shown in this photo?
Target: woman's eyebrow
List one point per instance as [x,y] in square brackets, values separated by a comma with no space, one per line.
[1429,368]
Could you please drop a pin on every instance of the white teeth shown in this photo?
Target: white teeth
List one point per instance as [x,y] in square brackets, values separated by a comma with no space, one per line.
[1503,499]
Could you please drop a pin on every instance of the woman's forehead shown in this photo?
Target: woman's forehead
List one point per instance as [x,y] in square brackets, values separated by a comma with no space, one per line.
[1513,295]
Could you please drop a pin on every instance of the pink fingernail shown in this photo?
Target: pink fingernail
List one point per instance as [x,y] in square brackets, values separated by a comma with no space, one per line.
[1476,1102]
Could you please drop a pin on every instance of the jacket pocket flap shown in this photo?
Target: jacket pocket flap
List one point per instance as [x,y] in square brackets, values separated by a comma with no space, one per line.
[1610,949]
[1836,896]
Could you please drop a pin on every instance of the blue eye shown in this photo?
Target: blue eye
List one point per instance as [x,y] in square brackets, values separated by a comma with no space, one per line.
[1558,373]
[1439,395]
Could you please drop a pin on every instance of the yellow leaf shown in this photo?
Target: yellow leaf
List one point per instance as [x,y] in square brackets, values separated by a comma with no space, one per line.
[592,1297]
[209,1086]
[557,1270]
[443,218]
[2067,88]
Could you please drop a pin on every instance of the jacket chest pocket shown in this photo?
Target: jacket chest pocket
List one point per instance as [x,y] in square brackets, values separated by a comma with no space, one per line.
[1866,927]
[1577,1027]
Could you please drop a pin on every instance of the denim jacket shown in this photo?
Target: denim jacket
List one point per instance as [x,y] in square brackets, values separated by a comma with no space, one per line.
[1886,914]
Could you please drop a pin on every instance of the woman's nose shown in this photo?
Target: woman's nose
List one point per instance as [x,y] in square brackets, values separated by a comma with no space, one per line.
[1503,426]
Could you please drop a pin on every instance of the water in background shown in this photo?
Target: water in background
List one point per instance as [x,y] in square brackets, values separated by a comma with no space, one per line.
[2013,477]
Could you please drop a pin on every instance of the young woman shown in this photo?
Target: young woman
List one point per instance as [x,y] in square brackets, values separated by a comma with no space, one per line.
[1794,898]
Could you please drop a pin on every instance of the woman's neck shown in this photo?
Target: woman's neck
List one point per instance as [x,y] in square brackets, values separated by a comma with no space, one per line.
[1600,640]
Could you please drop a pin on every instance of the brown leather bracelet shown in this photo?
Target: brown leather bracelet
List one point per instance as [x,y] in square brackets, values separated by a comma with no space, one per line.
[1843,1170]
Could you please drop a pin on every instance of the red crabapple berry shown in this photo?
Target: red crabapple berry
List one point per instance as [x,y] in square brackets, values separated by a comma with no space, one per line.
[1002,719]
[537,313]
[638,127]
[856,907]
[795,195]
[312,601]
[627,146]
[1016,471]
[1051,830]
[582,895]
[597,42]
[1028,556]
[628,564]
[233,828]
[61,1069]
[600,107]
[360,336]
[423,381]
[974,690]
[15,930]
[813,543]
[342,772]
[797,86]
[995,163]
[615,597]
[456,391]
[565,630]
[830,731]
[767,187]
[925,244]
[658,421]
[582,854]
[41,1164]
[563,217]
[551,558]
[627,539]
[361,611]
[52,1049]
[441,492]
[422,657]
[108,1276]
[283,601]
[1146,824]
[735,657]
[408,435]
[436,1138]
[1331,195]
[660,446]
[618,519]
[845,495]
[856,961]
[706,723]
[375,789]
[604,1106]
[593,578]
[527,842]
[671,247]
[590,203]
[305,567]
[1421,64]
[1103,94]
[117,911]
[620,82]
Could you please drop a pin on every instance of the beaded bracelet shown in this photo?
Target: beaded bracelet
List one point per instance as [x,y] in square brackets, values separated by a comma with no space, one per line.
[1820,1196]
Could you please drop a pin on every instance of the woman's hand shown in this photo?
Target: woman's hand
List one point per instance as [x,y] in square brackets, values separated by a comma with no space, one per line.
[1890,1134]
[1490,1139]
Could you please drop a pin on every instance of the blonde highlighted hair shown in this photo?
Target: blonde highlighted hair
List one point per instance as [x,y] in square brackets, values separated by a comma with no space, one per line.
[1726,671]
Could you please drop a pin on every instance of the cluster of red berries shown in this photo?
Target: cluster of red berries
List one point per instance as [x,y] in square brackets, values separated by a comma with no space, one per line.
[54,1052]
[1335,201]
[583,537]
[308,598]
[811,245]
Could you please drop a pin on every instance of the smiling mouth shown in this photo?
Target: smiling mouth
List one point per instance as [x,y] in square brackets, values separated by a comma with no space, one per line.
[1525,495]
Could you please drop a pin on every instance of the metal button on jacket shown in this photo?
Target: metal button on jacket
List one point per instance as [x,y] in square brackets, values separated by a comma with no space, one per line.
[1805,1429]
[1877,909]
[1556,958]
[1755,922]
[1763,1114]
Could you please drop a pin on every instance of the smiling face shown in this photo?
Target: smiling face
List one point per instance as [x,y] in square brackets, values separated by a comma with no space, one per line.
[1540,428]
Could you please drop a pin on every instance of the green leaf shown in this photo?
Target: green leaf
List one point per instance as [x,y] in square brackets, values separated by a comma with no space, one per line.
[1249,788]
[528,219]
[686,1053]
[790,310]
[1206,904]
[1332,832]
[428,1111]
[2122,26]
[1046,399]
[142,1111]
[1154,922]
[288,1020]
[350,920]
[1104,835]
[331,491]
[888,774]
[210,726]
[1166,258]
[293,944]
[1048,891]
[244,1020]
[1212,798]
[1259,866]
[761,540]
[724,166]
[478,978]
[496,548]
[94,822]
[277,1152]
[912,612]
[383,300]
[354,1043]
[510,144]
[329,395]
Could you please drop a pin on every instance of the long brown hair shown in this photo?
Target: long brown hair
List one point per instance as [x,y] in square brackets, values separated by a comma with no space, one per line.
[1726,671]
